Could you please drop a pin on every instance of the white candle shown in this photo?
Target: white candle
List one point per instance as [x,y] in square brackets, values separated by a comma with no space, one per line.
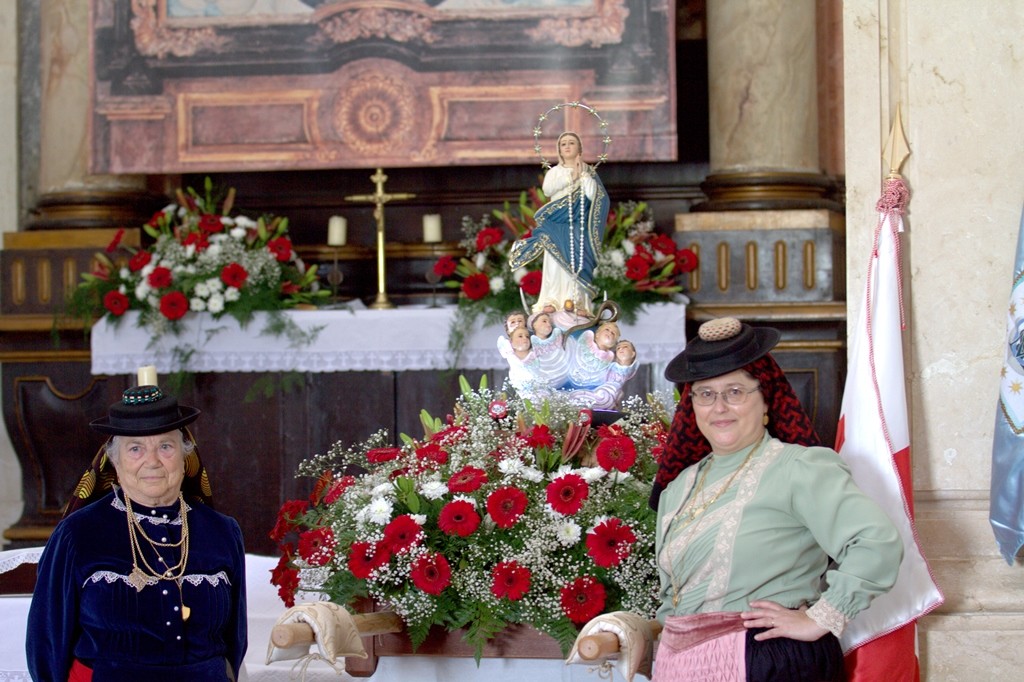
[431,228]
[147,375]
[336,230]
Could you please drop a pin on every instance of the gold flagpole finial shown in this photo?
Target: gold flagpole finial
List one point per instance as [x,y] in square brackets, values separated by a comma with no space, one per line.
[896,149]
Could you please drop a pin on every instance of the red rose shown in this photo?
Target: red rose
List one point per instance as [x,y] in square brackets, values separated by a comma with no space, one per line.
[458,518]
[617,453]
[662,243]
[139,261]
[378,455]
[281,248]
[506,506]
[609,543]
[115,241]
[489,236]
[637,267]
[431,573]
[316,547]
[364,558]
[286,516]
[686,260]
[540,437]
[401,533]
[530,283]
[567,493]
[174,305]
[510,580]
[445,266]
[160,277]
[210,223]
[467,480]
[476,286]
[234,275]
[116,302]
[583,598]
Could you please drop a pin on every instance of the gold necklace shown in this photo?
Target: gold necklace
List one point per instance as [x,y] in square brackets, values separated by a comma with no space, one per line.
[140,578]
[696,513]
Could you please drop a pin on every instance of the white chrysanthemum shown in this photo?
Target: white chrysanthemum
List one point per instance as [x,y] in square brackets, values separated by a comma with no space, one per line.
[465,498]
[379,511]
[592,474]
[213,251]
[232,294]
[629,247]
[215,284]
[190,251]
[518,274]
[202,290]
[237,233]
[497,284]
[480,260]
[532,474]
[421,519]
[215,304]
[568,533]
[433,490]
[511,466]
[196,304]
[147,269]
[617,257]
[142,290]
[245,222]
[124,273]
[382,489]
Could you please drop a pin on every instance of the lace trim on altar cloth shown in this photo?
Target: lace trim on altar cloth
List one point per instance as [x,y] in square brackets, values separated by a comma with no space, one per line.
[193,579]
[155,520]
[11,559]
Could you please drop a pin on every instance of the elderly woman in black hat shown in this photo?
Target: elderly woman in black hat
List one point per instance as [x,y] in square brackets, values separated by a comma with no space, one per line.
[141,584]
[765,546]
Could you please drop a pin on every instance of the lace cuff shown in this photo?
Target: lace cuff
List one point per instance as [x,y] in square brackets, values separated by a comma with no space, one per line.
[828,617]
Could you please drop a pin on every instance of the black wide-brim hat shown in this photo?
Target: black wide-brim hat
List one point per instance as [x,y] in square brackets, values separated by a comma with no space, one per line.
[722,346]
[144,411]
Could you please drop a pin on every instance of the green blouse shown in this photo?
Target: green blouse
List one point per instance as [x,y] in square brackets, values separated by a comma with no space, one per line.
[769,534]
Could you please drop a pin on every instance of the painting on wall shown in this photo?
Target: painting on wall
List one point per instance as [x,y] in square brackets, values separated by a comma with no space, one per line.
[182,86]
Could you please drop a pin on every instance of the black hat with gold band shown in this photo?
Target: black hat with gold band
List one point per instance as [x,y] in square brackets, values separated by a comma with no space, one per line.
[144,411]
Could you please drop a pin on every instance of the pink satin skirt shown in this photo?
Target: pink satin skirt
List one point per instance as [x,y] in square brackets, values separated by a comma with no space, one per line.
[706,647]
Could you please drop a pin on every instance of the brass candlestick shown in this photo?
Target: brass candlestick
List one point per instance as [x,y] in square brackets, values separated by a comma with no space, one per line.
[379,198]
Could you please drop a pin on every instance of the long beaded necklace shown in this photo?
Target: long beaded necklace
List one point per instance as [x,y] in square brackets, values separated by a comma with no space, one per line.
[576,264]
[693,513]
[140,578]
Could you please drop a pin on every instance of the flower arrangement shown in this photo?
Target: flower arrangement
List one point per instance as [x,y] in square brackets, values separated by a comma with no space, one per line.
[202,259]
[509,512]
[637,265]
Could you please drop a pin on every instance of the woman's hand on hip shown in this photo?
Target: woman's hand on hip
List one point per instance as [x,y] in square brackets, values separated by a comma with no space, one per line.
[781,622]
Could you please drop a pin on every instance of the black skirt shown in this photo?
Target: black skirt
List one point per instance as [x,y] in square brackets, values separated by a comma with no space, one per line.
[790,660]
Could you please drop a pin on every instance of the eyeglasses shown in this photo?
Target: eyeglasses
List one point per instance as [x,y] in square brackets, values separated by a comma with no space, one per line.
[734,395]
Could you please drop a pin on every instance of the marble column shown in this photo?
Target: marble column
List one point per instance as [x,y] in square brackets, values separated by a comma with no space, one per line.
[763,100]
[69,195]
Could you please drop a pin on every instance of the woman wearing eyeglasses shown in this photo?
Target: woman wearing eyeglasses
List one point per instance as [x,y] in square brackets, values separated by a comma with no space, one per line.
[751,513]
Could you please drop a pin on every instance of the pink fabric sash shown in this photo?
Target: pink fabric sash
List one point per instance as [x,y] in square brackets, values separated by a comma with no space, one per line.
[706,647]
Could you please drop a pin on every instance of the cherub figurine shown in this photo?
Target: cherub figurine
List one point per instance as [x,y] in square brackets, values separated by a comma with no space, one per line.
[514,320]
[592,355]
[523,368]
[608,394]
[548,345]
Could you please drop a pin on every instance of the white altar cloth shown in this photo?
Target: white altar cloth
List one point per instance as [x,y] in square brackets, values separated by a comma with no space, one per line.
[407,338]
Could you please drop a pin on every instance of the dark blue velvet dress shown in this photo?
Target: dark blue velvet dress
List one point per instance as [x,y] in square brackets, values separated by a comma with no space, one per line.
[84,606]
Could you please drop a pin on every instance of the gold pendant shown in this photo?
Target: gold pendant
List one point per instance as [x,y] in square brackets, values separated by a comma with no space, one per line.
[137,579]
[185,612]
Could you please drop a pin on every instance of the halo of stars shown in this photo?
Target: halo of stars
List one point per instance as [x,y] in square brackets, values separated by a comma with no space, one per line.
[539,129]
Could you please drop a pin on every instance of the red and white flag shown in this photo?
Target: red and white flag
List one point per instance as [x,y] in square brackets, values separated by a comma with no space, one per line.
[874,439]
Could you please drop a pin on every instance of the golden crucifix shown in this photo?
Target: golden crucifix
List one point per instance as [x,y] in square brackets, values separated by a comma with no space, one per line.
[379,198]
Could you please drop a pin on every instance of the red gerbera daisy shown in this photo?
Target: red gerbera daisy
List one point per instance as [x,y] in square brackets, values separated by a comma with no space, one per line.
[510,580]
[467,479]
[530,283]
[686,260]
[445,266]
[378,455]
[139,260]
[174,305]
[401,533]
[458,517]
[286,516]
[476,286]
[609,543]
[489,236]
[540,437]
[431,573]
[281,248]
[116,302]
[199,239]
[663,244]
[365,557]
[160,277]
[618,453]
[567,493]
[432,452]
[583,598]
[234,275]
[210,223]
[637,268]
[316,546]
[506,505]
